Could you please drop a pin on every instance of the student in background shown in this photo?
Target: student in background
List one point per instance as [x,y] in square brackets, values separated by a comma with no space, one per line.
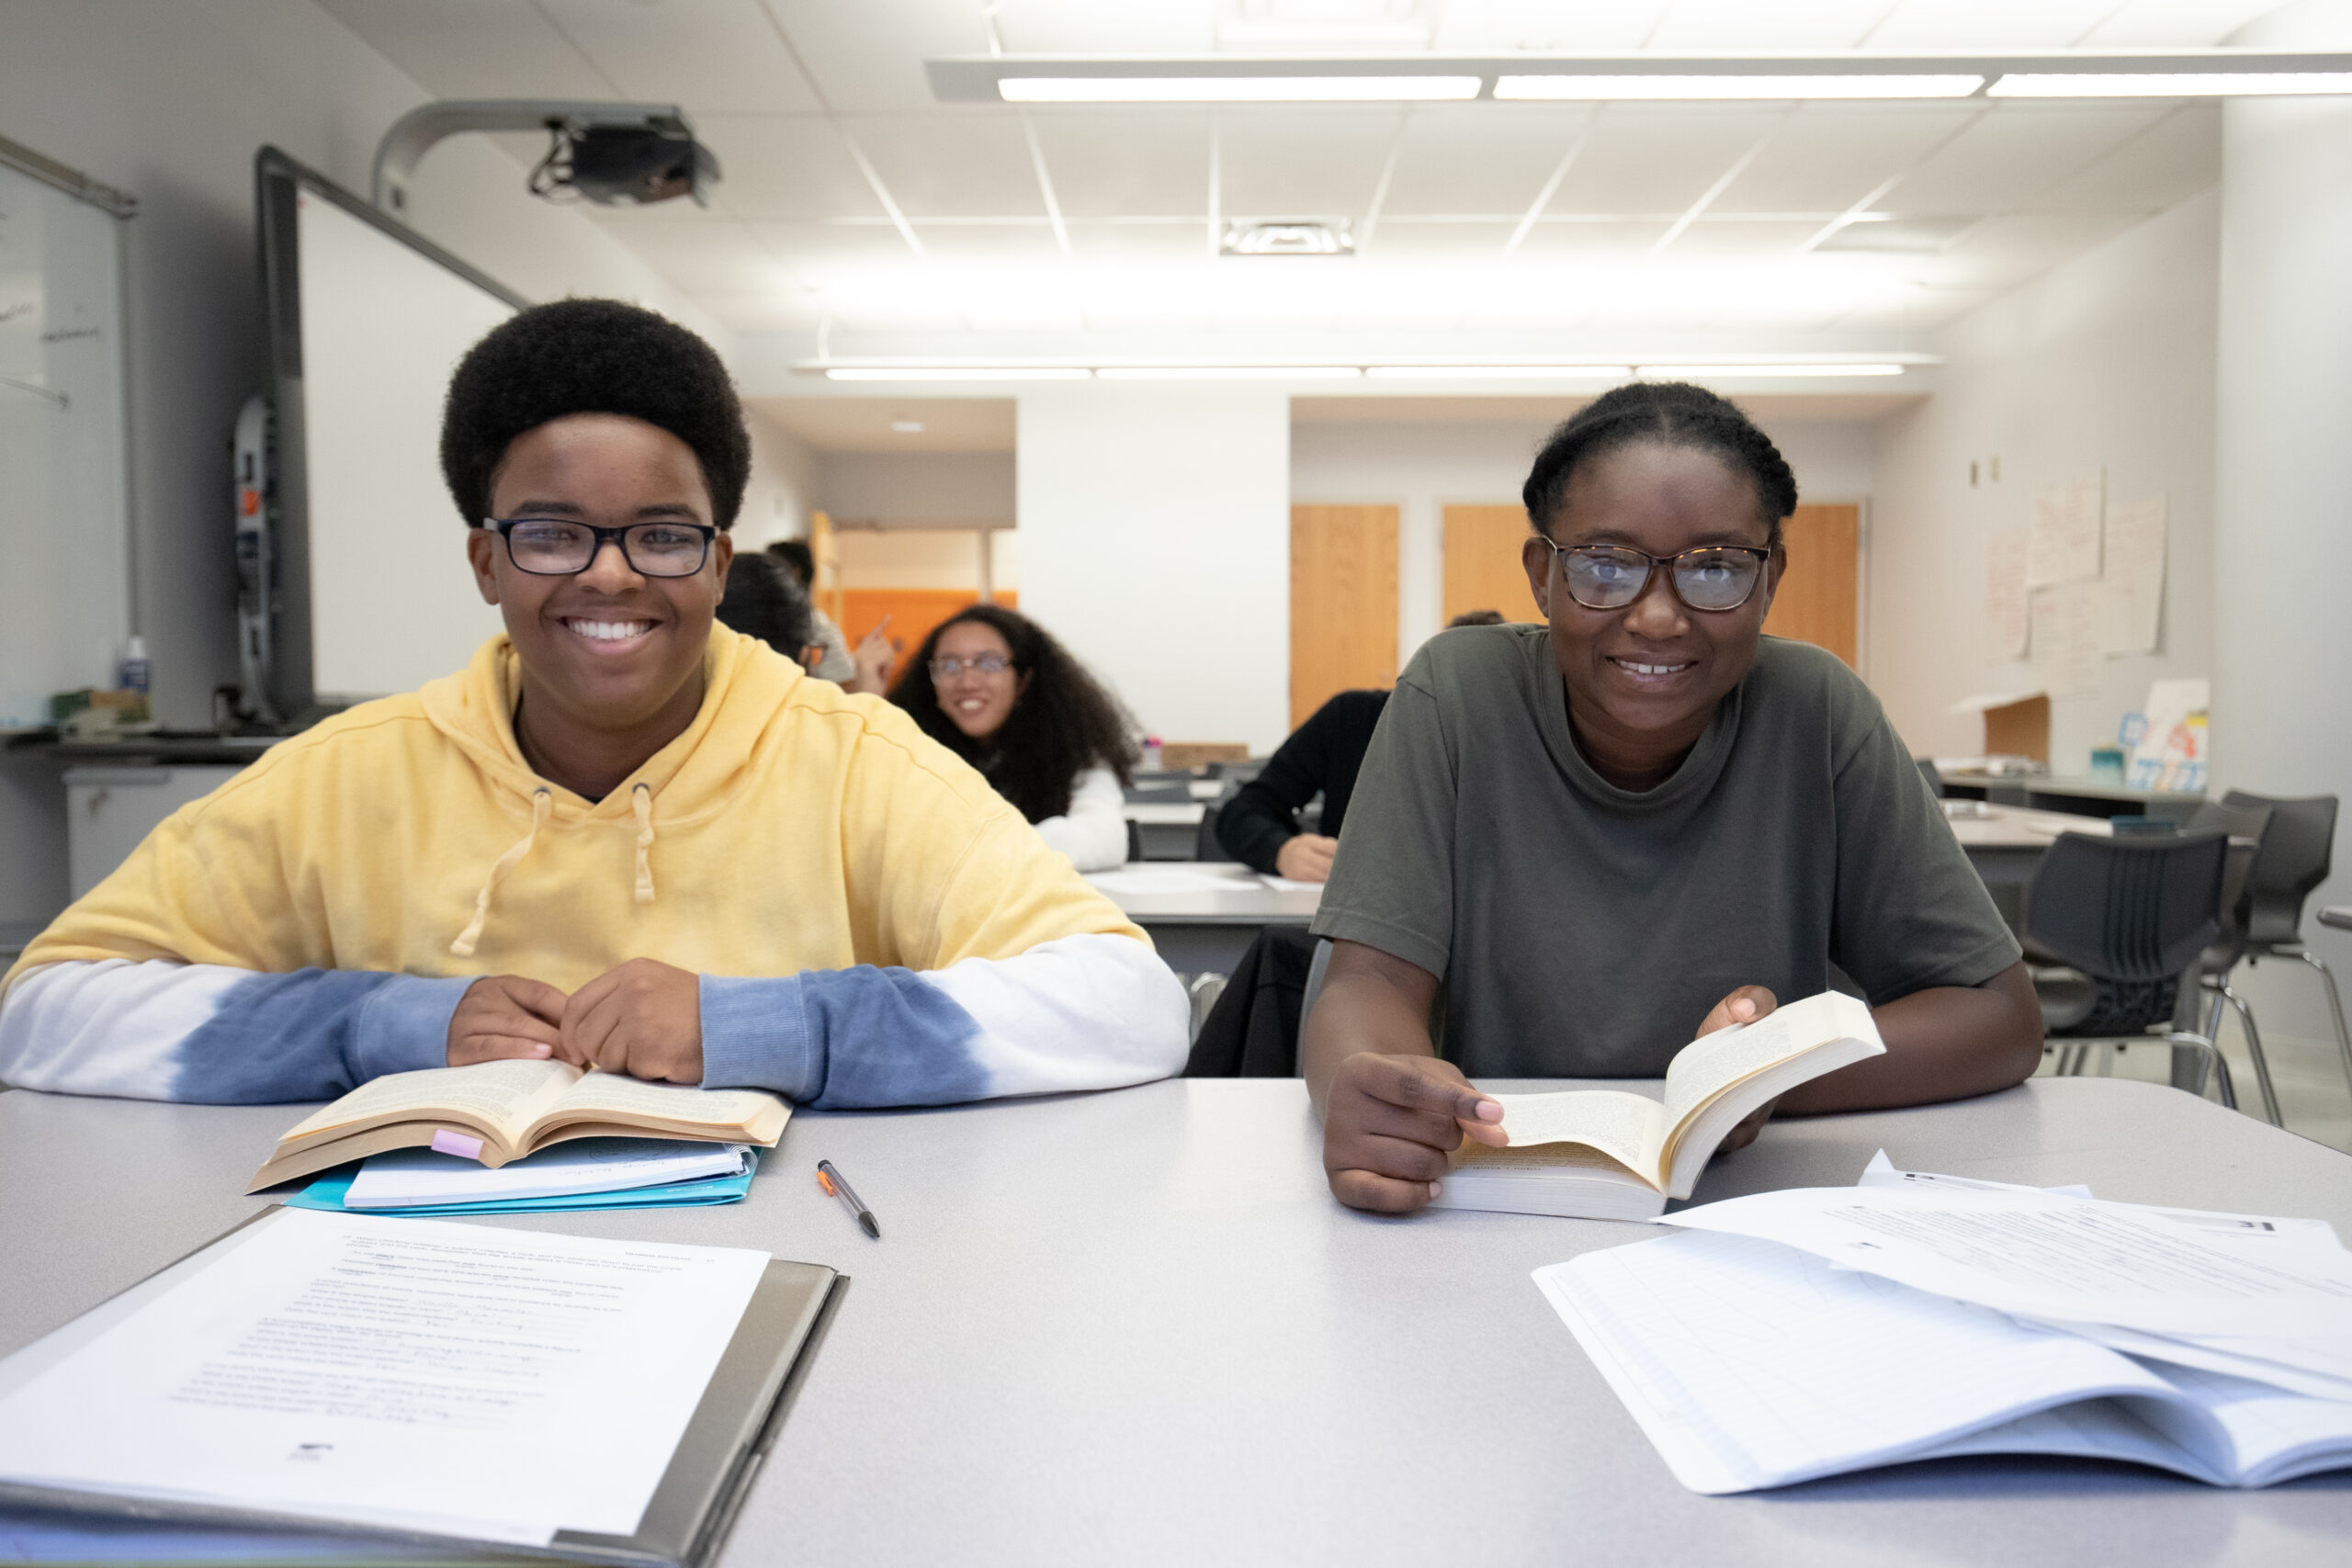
[868,670]
[1259,827]
[993,686]
[1641,822]
[622,837]
[763,599]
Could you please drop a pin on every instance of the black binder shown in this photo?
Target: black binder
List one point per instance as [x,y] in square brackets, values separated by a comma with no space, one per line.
[685,1522]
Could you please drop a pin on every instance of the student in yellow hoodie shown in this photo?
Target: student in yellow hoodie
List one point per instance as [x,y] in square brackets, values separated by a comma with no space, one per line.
[624,836]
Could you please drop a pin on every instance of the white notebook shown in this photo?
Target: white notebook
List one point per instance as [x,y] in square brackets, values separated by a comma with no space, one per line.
[1751,1364]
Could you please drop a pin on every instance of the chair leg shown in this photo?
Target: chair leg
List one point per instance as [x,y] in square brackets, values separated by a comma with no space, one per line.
[2209,1055]
[2253,1049]
[2334,1006]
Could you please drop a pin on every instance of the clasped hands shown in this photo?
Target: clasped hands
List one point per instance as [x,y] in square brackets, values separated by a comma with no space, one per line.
[643,1018]
[1390,1121]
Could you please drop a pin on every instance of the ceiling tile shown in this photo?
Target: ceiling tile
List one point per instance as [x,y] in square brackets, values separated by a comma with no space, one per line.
[1736,241]
[1651,158]
[763,310]
[2003,253]
[716,255]
[474,49]
[1503,25]
[787,166]
[1989,24]
[1829,156]
[1123,162]
[2010,156]
[985,245]
[1401,239]
[712,56]
[1302,163]
[960,164]
[823,255]
[1090,27]
[1555,240]
[1480,158]
[2168,162]
[1150,244]
[2175,24]
[864,63]
[1704,26]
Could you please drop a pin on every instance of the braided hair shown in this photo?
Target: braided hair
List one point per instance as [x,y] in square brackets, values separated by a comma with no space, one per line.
[1063,723]
[1670,413]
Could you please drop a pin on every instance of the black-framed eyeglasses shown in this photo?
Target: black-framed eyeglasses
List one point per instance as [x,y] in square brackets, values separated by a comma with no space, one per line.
[1610,577]
[947,666]
[557,547]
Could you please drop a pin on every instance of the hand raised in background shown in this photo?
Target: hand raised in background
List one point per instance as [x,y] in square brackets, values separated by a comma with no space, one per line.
[505,1016]
[876,658]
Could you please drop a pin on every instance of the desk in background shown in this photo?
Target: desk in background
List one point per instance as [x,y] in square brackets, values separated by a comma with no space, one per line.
[2077,795]
[1135,1328]
[1204,914]
[2006,843]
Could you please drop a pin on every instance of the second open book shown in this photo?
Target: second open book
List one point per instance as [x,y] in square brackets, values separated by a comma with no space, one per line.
[1605,1155]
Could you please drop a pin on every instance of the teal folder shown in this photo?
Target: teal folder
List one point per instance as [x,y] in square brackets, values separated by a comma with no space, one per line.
[327,1193]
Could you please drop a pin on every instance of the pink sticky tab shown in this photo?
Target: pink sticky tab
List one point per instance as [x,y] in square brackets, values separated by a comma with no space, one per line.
[457,1144]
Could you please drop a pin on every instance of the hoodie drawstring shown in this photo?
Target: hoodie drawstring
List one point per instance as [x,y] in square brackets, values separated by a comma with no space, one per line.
[640,800]
[542,799]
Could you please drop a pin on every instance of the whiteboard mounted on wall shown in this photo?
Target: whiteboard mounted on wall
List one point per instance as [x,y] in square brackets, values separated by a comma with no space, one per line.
[66,551]
[366,321]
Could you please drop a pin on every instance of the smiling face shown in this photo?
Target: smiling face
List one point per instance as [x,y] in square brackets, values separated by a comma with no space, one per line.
[611,658]
[1642,681]
[975,702]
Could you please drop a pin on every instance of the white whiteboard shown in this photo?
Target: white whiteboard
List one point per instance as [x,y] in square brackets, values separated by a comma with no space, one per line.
[64,490]
[392,602]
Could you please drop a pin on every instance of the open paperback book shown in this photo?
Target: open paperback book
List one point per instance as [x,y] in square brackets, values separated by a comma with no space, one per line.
[497,1112]
[1607,1155]
[1752,1364]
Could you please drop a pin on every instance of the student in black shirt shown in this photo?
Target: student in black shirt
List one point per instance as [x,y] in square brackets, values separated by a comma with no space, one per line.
[1259,827]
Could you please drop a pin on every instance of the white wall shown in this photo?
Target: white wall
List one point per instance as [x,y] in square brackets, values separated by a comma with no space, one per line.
[911,557]
[2108,360]
[169,101]
[1155,524]
[783,491]
[1421,467]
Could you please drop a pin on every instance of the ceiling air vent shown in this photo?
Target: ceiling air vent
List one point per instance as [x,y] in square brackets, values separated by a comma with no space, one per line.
[1289,237]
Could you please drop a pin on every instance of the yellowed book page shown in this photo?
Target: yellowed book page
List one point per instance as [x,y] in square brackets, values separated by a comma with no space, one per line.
[754,1114]
[500,1098]
[1713,1063]
[1628,1128]
[1538,1156]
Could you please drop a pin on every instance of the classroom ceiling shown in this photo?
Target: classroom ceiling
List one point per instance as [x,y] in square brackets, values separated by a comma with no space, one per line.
[857,209]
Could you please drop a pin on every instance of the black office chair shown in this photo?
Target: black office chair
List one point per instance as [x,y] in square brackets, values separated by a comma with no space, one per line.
[2247,827]
[1252,1030]
[2296,856]
[2113,927]
[1928,772]
[1204,844]
[1135,840]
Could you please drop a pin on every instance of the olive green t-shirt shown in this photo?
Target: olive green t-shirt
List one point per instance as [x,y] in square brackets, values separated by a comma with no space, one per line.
[1584,931]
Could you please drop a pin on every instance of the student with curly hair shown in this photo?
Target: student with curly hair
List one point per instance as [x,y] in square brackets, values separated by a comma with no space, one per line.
[995,688]
[624,837]
[1641,822]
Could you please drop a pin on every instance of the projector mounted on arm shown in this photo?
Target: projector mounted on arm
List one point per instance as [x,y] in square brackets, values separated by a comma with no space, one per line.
[610,153]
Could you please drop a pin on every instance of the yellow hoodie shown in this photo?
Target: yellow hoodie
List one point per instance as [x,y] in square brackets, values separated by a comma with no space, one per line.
[791,829]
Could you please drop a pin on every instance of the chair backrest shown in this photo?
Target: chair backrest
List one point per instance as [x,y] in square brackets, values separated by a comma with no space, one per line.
[1928,772]
[2240,822]
[1135,840]
[1204,844]
[2296,856]
[2128,908]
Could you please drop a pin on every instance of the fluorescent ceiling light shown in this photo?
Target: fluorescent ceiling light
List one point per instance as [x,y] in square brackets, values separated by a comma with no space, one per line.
[1737,86]
[956,373]
[2169,84]
[1497,372]
[1228,373]
[1234,89]
[1705,372]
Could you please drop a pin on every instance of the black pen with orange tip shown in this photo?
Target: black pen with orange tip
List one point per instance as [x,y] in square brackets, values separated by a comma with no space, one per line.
[832,1182]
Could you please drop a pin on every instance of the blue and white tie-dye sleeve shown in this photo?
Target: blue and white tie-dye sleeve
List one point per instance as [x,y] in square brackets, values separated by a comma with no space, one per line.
[217,1035]
[1080,1012]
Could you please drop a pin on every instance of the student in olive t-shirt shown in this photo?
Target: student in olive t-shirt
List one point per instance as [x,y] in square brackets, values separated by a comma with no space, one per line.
[1643,822]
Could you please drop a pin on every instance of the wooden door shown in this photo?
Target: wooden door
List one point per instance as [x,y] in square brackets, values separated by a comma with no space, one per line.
[825,555]
[1343,602]
[1820,599]
[1482,569]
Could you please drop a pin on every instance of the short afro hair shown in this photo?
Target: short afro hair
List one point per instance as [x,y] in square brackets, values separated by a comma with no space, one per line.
[591,356]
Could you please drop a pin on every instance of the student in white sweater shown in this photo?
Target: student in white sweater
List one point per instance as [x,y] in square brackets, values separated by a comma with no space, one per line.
[993,686]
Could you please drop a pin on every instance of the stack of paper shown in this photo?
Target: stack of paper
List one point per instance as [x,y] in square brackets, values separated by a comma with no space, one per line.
[1802,1334]
[587,1173]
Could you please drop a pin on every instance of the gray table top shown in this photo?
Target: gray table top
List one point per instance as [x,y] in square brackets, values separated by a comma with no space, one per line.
[1134,1326]
[1213,893]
